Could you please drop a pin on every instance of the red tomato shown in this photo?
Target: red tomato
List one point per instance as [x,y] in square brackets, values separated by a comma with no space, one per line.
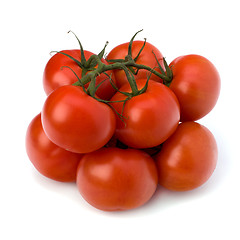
[149,118]
[55,76]
[113,179]
[188,158]
[49,159]
[146,58]
[196,84]
[77,122]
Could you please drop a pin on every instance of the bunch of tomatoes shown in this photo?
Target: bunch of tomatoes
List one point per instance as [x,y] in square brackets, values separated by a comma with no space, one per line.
[121,125]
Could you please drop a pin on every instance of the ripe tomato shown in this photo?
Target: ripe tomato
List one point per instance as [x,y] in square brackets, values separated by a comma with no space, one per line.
[55,76]
[114,179]
[49,159]
[188,158]
[149,118]
[77,122]
[146,58]
[196,84]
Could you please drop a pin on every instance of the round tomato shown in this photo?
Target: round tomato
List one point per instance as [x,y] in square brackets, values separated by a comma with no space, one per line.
[55,75]
[149,118]
[77,122]
[188,158]
[145,58]
[113,179]
[196,83]
[49,159]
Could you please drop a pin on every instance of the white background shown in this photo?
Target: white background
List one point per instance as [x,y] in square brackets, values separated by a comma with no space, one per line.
[34,207]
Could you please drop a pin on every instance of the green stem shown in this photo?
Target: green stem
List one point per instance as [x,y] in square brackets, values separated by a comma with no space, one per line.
[131,81]
[140,66]
[101,67]
[131,63]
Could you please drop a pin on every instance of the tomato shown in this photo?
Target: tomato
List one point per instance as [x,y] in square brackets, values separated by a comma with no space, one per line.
[188,158]
[196,83]
[149,118]
[77,122]
[55,76]
[113,179]
[49,159]
[146,58]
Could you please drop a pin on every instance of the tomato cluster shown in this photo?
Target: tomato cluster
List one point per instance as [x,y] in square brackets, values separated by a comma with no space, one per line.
[122,125]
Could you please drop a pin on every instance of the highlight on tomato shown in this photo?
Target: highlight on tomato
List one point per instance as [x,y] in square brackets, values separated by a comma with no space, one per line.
[77,122]
[148,119]
[50,160]
[196,83]
[114,179]
[188,158]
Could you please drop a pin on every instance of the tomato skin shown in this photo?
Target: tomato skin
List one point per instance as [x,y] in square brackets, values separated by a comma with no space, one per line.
[55,76]
[196,83]
[49,159]
[150,118]
[114,179]
[77,122]
[188,158]
[146,58]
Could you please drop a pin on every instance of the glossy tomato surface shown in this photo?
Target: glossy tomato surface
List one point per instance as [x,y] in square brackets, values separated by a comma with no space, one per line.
[56,74]
[188,158]
[145,58]
[196,83]
[113,179]
[49,159]
[149,118]
[77,122]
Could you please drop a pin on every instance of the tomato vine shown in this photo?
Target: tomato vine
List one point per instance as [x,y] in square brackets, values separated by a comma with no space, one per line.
[93,67]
